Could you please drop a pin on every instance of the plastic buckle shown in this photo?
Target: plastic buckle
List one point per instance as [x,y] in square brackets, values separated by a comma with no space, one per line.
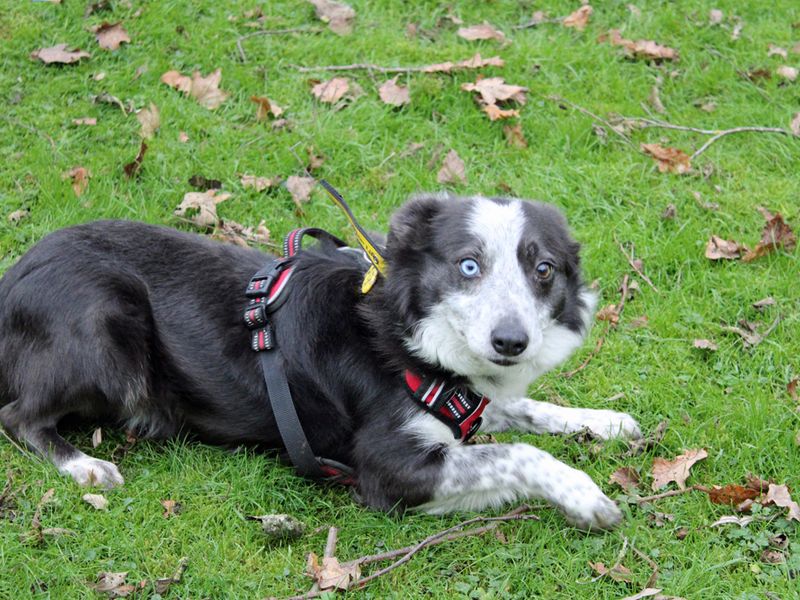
[260,286]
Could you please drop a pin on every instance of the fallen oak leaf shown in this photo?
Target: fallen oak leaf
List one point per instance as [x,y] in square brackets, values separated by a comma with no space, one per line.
[85,121]
[201,207]
[113,584]
[703,344]
[668,159]
[300,189]
[203,89]
[495,113]
[617,572]
[646,49]
[337,15]
[579,19]
[59,55]
[106,98]
[259,183]
[171,508]
[475,62]
[484,31]
[787,72]
[393,94]
[97,501]
[625,477]
[774,50]
[453,169]
[150,120]
[332,574]
[494,89]
[239,235]
[791,388]
[677,470]
[721,249]
[132,168]
[109,36]
[331,91]
[749,334]
[80,179]
[732,494]
[779,496]
[636,447]
[265,108]
[17,215]
[776,234]
[514,135]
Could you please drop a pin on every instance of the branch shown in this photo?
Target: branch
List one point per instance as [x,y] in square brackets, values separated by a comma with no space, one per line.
[636,268]
[725,132]
[654,575]
[361,67]
[585,111]
[272,32]
[691,488]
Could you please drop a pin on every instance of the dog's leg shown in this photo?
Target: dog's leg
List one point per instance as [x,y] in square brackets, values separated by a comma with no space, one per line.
[476,477]
[43,438]
[531,416]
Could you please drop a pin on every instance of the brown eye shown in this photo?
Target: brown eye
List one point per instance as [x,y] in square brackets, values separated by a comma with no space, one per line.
[544,271]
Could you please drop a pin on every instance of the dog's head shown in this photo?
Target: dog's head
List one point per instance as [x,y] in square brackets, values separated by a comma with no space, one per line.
[489,289]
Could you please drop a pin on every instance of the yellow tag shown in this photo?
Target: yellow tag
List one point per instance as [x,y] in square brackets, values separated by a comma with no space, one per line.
[370,277]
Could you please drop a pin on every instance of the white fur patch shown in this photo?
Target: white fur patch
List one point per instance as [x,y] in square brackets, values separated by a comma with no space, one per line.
[92,472]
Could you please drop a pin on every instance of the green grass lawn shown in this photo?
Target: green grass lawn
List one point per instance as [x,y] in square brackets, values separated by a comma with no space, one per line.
[733,402]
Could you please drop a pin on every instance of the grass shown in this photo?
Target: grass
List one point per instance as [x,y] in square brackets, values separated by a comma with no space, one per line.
[732,402]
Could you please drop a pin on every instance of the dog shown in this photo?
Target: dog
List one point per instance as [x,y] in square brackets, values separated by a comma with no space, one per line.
[141,325]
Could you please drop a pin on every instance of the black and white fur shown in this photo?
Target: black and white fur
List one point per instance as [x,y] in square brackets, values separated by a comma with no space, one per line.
[142,325]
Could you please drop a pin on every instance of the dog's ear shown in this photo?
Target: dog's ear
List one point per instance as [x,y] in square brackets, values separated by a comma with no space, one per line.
[410,226]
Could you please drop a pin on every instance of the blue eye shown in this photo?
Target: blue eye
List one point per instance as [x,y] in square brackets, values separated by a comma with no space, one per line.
[469,268]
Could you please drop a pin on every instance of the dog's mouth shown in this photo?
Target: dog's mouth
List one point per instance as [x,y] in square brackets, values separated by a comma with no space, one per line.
[504,362]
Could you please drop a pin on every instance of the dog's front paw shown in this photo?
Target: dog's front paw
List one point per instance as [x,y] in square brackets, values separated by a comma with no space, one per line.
[609,424]
[93,472]
[589,509]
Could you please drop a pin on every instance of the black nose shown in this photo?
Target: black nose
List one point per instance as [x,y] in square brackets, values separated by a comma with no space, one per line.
[509,339]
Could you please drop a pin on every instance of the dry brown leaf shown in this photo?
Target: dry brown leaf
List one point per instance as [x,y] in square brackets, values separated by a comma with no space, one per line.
[453,169]
[150,120]
[132,168]
[496,113]
[513,134]
[337,15]
[113,584]
[668,159]
[97,437]
[17,215]
[791,387]
[234,233]
[654,99]
[484,31]
[677,469]
[704,344]
[776,234]
[773,50]
[625,477]
[80,179]
[639,322]
[715,16]
[720,249]
[266,107]
[476,62]
[110,35]
[98,501]
[760,305]
[300,189]
[391,93]
[183,137]
[85,121]
[780,496]
[332,575]
[609,313]
[732,494]
[259,183]
[795,124]
[203,89]
[494,89]
[646,49]
[787,72]
[171,508]
[617,572]
[201,207]
[59,55]
[331,91]
[579,19]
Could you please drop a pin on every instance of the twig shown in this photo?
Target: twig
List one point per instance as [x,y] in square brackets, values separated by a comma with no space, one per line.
[636,268]
[585,111]
[601,341]
[330,550]
[654,575]
[691,488]
[361,67]
[408,553]
[39,132]
[617,563]
[725,132]
[35,534]
[272,32]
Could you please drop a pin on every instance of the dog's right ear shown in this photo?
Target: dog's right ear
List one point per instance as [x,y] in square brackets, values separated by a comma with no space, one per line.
[410,226]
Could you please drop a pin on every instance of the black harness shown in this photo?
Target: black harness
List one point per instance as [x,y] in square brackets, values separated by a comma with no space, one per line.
[458,407]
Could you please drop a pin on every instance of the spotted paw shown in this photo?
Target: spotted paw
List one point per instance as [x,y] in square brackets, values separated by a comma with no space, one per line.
[589,509]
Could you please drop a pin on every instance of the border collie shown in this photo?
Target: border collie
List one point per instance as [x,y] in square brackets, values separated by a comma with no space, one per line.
[142,325]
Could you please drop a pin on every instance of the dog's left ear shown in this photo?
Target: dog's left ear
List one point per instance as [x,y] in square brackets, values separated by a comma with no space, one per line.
[410,226]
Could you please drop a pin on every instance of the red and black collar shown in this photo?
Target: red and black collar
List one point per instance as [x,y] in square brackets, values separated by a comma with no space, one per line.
[456,406]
